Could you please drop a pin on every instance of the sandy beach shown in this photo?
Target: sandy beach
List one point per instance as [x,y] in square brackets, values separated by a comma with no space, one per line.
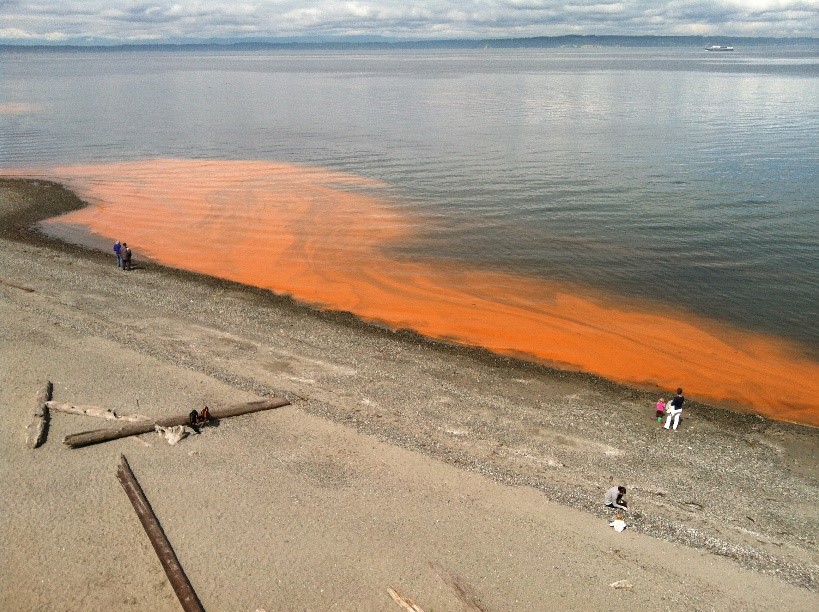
[461,479]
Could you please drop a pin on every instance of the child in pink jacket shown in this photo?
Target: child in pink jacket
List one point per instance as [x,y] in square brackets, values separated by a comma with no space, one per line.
[660,407]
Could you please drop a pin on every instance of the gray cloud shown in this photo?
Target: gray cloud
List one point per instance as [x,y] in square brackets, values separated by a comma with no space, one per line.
[122,21]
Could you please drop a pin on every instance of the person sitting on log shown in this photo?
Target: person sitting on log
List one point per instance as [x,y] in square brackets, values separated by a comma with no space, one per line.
[199,418]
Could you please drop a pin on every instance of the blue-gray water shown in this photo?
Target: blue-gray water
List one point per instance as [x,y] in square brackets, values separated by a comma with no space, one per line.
[673,174]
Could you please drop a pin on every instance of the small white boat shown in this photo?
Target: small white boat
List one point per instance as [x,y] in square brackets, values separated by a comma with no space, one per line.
[719,48]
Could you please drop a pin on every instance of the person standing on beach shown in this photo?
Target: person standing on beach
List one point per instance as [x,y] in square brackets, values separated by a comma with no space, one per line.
[675,407]
[614,498]
[118,251]
[126,256]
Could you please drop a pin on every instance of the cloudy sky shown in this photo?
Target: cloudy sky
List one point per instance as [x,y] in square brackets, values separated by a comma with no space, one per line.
[128,21]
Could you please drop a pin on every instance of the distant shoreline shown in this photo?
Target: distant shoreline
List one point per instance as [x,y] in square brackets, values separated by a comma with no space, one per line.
[536,42]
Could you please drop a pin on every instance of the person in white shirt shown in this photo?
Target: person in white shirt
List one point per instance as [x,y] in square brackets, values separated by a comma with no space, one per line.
[614,498]
[675,407]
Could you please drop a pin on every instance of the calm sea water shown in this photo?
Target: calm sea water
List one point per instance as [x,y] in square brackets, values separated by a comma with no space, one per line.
[669,174]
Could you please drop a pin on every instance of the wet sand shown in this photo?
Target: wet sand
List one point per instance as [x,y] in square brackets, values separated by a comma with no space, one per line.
[462,479]
[324,238]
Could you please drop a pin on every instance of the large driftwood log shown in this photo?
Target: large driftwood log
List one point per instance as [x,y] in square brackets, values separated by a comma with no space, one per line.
[173,569]
[96,436]
[36,431]
[95,411]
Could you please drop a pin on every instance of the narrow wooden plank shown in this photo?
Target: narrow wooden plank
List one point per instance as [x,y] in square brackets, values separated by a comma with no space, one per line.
[173,569]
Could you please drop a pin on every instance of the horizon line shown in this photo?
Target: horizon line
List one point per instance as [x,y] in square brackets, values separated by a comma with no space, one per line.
[353,41]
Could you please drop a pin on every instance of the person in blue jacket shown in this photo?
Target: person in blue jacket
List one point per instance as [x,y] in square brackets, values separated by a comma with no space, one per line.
[118,252]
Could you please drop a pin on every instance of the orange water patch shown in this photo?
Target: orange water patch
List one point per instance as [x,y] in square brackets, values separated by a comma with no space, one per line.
[320,236]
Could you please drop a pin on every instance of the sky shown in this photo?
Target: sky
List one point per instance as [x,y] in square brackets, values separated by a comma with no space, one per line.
[160,21]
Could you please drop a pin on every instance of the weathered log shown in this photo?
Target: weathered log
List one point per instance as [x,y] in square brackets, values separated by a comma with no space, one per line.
[96,436]
[173,569]
[95,411]
[36,430]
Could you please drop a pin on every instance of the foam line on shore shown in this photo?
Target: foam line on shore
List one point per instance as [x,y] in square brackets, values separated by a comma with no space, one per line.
[323,237]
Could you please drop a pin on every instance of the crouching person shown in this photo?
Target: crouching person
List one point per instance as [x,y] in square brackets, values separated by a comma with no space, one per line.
[615,498]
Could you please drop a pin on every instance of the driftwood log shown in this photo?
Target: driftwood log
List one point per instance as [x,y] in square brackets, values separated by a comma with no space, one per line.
[36,430]
[95,436]
[95,411]
[173,569]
